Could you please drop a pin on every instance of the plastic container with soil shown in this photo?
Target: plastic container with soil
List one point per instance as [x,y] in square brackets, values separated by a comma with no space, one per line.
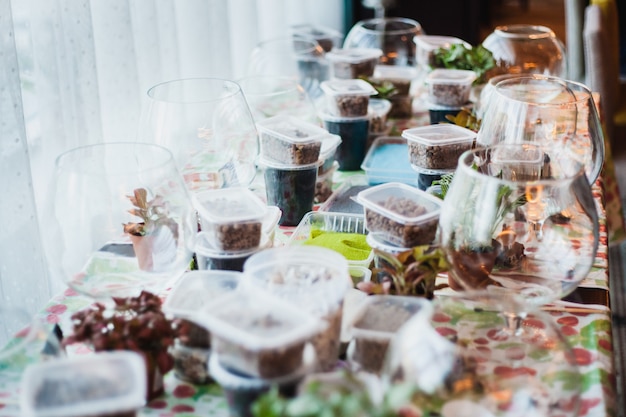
[449,87]
[352,63]
[354,132]
[289,140]
[347,98]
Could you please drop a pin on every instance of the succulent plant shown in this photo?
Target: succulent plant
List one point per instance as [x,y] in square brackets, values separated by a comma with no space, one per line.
[153,214]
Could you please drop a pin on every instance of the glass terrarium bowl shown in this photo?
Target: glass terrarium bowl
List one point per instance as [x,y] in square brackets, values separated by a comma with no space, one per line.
[393,35]
[462,364]
[527,49]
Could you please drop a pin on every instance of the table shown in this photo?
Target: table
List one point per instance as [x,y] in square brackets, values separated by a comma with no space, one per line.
[587,328]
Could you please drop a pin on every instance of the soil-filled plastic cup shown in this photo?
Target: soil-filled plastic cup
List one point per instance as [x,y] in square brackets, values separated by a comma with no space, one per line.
[354,133]
[315,279]
[291,188]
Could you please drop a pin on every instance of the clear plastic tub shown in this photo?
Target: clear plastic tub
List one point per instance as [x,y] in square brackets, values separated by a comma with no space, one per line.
[289,140]
[517,164]
[347,98]
[191,364]
[326,37]
[354,132]
[257,334]
[400,77]
[195,289]
[211,258]
[353,63]
[342,232]
[450,87]
[374,324]
[400,214]
[98,385]
[328,152]
[435,149]
[378,111]
[232,217]
[387,161]
[324,184]
[313,278]
[270,222]
[426,45]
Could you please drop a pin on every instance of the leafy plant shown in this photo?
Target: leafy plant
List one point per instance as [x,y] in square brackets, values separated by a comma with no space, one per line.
[478,59]
[412,272]
[349,398]
[385,88]
[465,118]
[136,323]
[153,213]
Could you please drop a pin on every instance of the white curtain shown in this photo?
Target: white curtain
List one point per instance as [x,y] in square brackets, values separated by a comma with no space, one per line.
[75,72]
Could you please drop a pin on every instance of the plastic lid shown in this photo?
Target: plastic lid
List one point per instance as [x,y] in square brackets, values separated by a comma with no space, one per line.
[380,316]
[258,320]
[226,205]
[327,117]
[291,129]
[384,246]
[353,55]
[195,289]
[439,134]
[450,76]
[271,219]
[374,198]
[395,72]
[104,383]
[353,87]
[432,42]
[330,143]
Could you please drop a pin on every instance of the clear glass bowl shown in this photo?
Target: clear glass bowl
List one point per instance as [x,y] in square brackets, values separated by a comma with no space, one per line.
[529,49]
[393,35]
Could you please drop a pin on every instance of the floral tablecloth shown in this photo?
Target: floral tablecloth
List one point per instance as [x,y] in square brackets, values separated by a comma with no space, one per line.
[588,331]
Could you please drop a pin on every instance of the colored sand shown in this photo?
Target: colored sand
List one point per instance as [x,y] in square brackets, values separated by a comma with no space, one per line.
[351,245]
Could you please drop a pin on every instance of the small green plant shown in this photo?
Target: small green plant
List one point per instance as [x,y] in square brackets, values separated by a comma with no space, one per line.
[385,88]
[412,272]
[478,59]
[153,213]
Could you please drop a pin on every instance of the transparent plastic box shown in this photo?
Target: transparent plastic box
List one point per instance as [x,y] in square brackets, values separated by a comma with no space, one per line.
[328,151]
[436,149]
[341,225]
[196,289]
[450,87]
[400,214]
[99,385]
[289,140]
[314,278]
[347,98]
[375,322]
[210,257]
[426,45]
[517,164]
[231,217]
[324,184]
[257,334]
[353,63]
[387,160]
[378,111]
[400,77]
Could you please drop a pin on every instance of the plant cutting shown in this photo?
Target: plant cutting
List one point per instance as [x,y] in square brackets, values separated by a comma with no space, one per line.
[411,272]
[478,59]
[135,323]
[154,214]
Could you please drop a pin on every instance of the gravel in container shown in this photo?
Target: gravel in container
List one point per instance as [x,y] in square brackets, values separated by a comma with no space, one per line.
[257,334]
[450,87]
[289,140]
[353,63]
[375,323]
[400,214]
[435,149]
[347,98]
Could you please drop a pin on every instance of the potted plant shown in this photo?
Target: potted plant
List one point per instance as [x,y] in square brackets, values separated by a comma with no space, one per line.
[155,218]
[137,324]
